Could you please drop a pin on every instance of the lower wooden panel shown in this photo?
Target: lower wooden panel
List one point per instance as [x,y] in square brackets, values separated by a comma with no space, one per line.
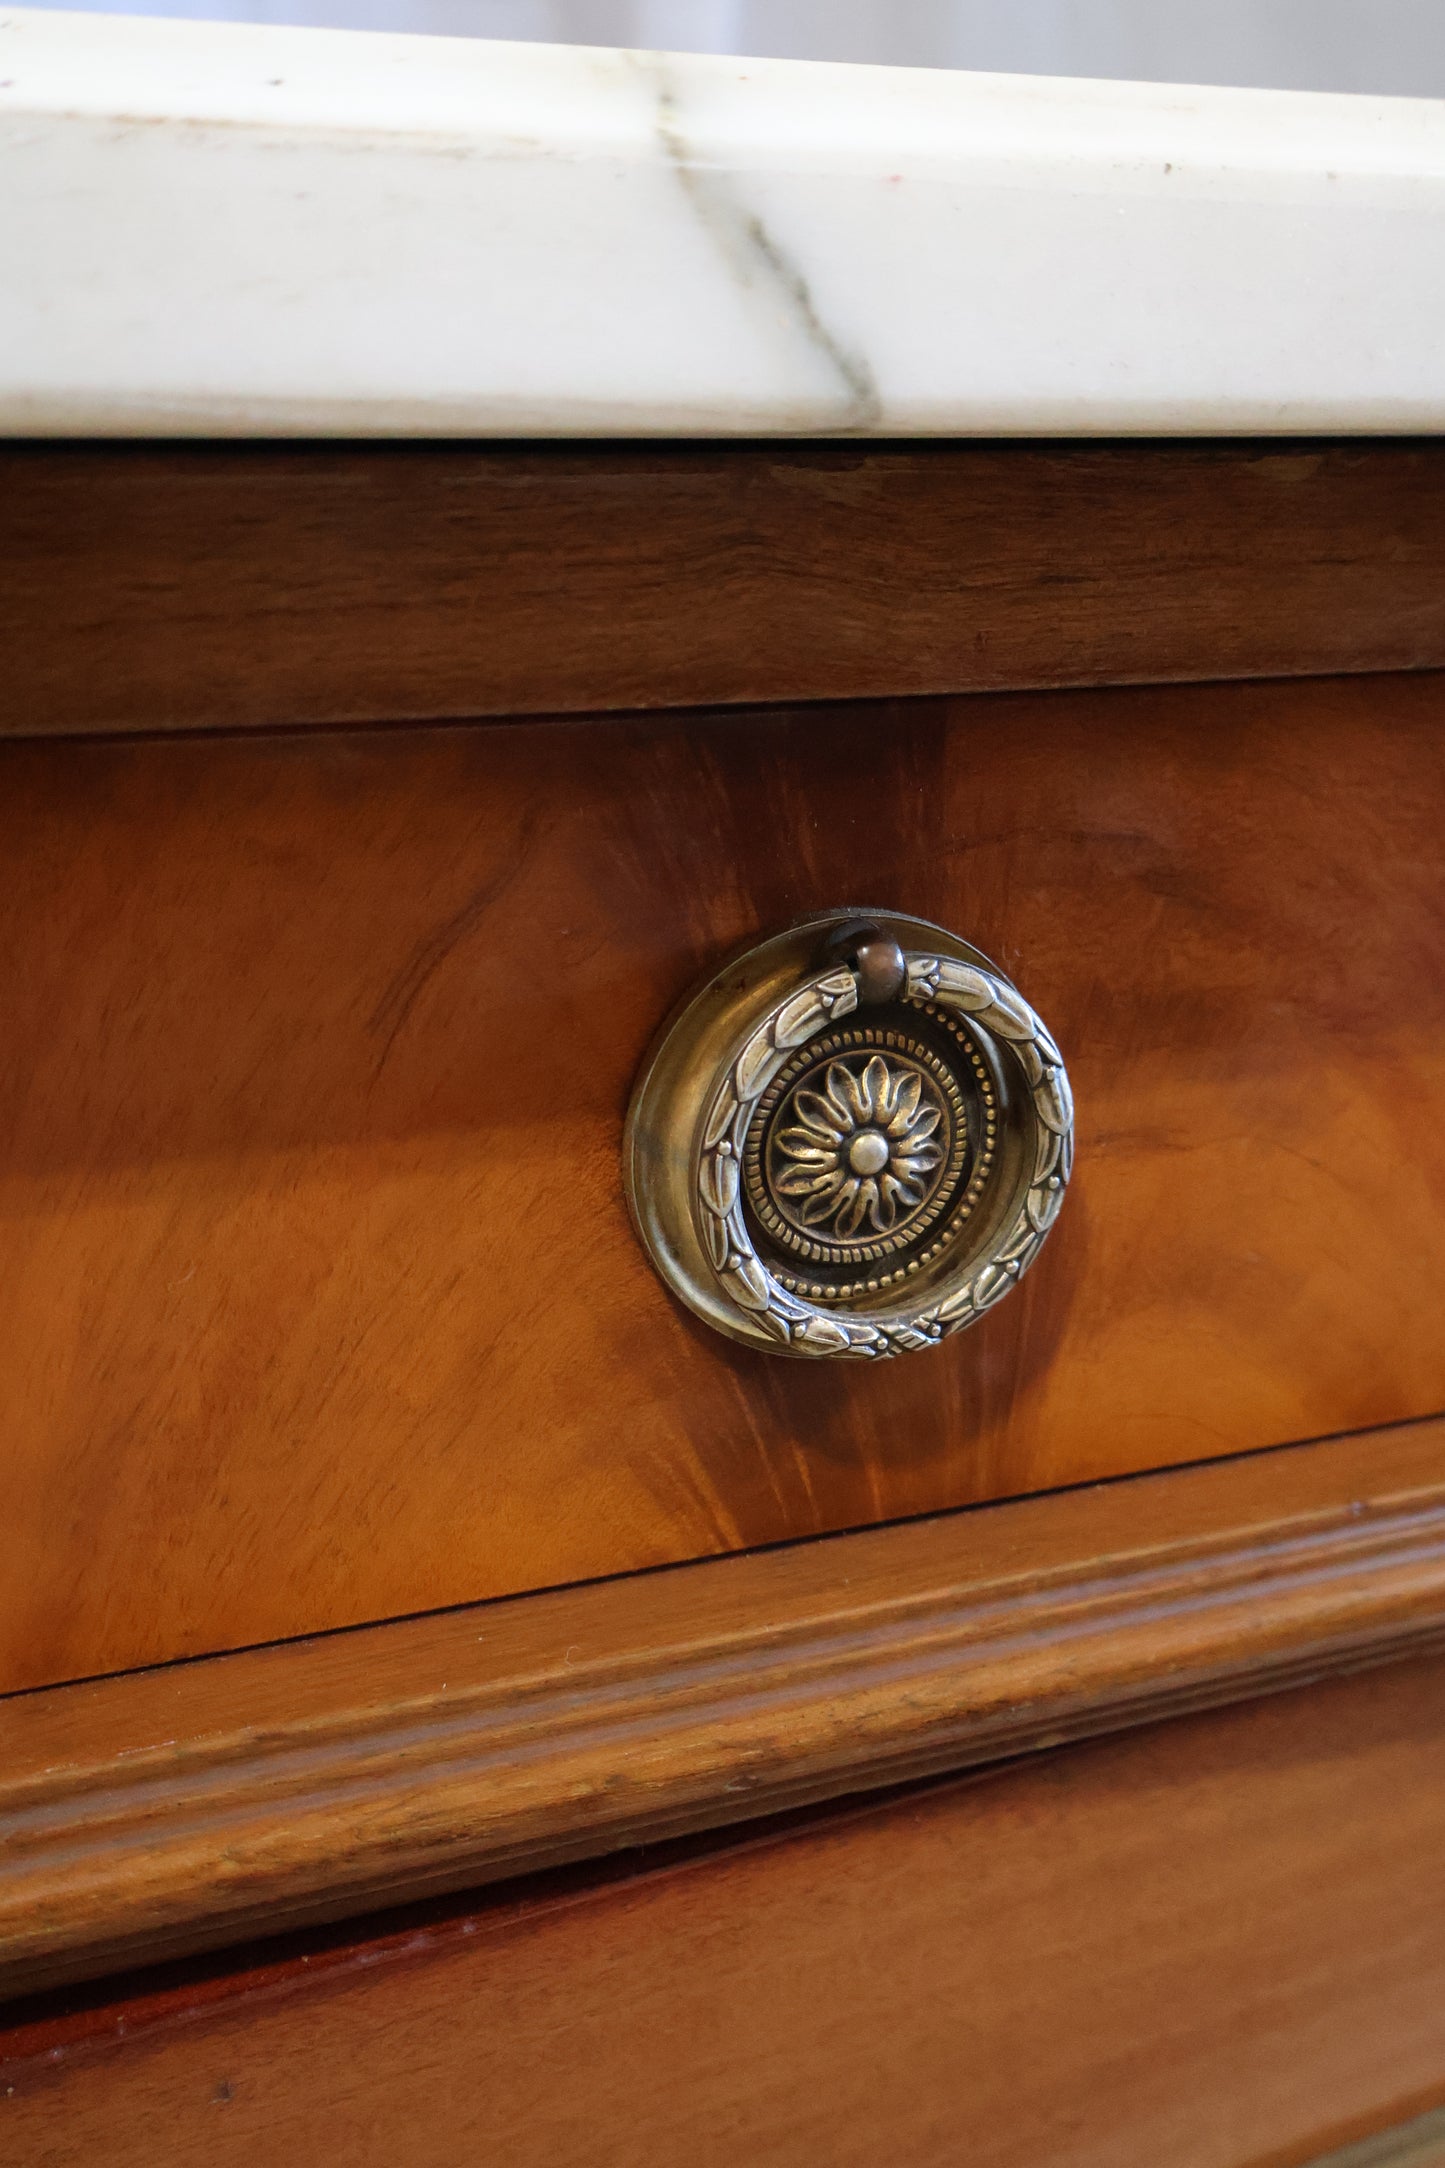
[1217,1943]
[318,1300]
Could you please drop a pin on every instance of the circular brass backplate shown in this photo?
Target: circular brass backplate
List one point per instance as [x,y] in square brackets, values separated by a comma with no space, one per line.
[851,1141]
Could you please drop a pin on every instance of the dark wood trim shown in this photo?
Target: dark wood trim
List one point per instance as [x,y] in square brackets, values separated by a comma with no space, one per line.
[201,586]
[178,1809]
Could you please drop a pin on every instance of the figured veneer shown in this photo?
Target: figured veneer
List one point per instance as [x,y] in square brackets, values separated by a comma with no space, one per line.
[198,586]
[318,1298]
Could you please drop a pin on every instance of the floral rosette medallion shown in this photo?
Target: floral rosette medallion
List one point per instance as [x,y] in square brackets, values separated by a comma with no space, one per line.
[850,1142]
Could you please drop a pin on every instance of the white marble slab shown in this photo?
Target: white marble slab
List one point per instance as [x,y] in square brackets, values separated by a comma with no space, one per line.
[224,230]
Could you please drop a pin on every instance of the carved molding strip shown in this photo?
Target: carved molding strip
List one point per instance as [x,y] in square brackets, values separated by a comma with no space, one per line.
[181,1809]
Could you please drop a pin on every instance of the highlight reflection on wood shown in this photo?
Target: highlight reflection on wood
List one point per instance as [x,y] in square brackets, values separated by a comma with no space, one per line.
[318,1300]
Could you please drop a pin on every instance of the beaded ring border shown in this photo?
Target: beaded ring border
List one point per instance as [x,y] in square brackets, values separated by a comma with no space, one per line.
[992,1006]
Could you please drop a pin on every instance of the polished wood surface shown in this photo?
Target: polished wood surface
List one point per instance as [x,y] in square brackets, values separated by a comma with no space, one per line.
[178,1809]
[318,1299]
[195,586]
[1213,1943]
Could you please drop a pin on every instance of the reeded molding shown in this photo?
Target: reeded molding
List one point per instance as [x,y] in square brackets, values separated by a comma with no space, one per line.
[179,1809]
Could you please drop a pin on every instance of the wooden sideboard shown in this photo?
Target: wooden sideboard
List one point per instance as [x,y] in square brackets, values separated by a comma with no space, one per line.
[454,1701]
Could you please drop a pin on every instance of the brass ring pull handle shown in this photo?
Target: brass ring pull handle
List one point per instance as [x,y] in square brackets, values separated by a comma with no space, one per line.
[852,1141]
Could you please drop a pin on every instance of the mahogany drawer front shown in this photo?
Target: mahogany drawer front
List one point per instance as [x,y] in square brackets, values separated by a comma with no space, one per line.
[320,1300]
[1215,1943]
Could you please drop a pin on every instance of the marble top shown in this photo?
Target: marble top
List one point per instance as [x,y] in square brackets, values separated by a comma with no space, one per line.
[223,230]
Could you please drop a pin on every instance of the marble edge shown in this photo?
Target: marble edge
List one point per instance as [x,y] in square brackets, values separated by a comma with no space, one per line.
[592,241]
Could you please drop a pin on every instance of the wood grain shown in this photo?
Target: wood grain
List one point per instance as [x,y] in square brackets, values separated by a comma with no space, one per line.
[318,1299]
[173,1810]
[1209,1943]
[196,586]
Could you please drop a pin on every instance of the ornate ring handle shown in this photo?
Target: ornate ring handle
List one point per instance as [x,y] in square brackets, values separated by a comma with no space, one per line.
[852,1141]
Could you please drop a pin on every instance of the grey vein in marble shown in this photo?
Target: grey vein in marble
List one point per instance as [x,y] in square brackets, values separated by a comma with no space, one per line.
[746,245]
